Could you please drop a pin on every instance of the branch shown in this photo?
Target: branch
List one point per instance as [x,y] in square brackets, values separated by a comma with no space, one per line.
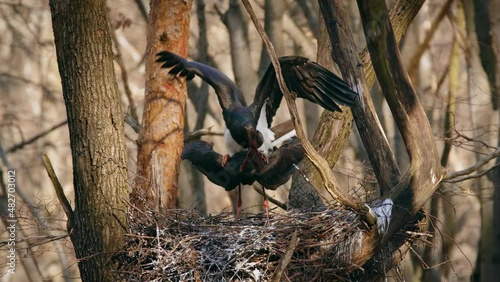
[402,14]
[132,122]
[34,138]
[197,134]
[379,152]
[142,9]
[320,163]
[59,192]
[453,80]
[415,59]
[425,172]
[271,199]
[276,277]
[311,15]
[461,175]
[123,70]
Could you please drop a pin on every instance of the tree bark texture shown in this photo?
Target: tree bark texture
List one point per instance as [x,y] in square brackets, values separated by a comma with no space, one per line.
[425,172]
[95,121]
[401,15]
[379,152]
[162,134]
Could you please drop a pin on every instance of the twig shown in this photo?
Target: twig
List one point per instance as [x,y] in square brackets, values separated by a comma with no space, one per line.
[481,174]
[453,176]
[132,122]
[276,277]
[428,36]
[197,134]
[453,81]
[123,71]
[59,192]
[34,210]
[315,158]
[34,138]
[142,9]
[271,199]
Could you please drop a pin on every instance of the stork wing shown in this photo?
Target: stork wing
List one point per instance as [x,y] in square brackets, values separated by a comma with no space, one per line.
[209,162]
[228,93]
[281,164]
[308,80]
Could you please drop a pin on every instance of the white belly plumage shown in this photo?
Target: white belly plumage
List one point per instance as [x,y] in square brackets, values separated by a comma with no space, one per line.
[233,147]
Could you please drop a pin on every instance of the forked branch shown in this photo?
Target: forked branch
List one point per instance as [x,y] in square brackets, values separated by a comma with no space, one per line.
[315,158]
[425,172]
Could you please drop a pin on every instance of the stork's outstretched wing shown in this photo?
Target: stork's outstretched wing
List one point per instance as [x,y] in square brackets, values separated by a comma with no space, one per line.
[282,164]
[228,93]
[274,174]
[209,162]
[308,80]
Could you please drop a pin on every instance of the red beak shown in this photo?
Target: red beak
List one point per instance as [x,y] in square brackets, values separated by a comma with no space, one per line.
[253,149]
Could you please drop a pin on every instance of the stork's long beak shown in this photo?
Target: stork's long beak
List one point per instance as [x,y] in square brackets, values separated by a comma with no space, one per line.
[253,149]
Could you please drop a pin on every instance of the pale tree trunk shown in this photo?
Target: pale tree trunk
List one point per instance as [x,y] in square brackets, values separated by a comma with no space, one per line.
[95,122]
[244,74]
[310,9]
[273,25]
[161,137]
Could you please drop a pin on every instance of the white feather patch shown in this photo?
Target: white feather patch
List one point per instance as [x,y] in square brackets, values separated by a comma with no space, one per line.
[267,133]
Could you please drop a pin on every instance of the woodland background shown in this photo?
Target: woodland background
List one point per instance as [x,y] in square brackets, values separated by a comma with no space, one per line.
[442,55]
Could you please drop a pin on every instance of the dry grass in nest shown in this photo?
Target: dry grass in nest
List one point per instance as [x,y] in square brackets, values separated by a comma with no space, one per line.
[183,246]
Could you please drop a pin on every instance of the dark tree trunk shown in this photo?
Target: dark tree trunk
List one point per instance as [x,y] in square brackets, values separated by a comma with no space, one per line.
[95,122]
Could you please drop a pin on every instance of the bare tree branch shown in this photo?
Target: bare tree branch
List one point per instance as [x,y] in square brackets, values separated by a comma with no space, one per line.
[315,158]
[458,176]
[59,192]
[402,14]
[123,70]
[294,241]
[35,138]
[271,199]
[415,59]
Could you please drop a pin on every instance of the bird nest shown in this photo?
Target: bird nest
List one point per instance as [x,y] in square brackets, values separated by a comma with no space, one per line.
[183,246]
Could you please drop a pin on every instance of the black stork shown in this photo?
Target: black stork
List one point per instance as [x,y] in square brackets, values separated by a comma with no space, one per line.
[279,168]
[247,127]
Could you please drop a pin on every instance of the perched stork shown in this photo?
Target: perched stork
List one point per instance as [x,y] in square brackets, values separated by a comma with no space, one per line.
[247,127]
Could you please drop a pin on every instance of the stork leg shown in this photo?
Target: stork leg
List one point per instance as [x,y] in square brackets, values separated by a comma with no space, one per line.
[224,160]
[238,206]
[266,205]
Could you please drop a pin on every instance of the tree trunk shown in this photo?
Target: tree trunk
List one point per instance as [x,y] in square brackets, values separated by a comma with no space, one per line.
[161,138]
[401,14]
[95,122]
[244,75]
[495,177]
[273,24]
